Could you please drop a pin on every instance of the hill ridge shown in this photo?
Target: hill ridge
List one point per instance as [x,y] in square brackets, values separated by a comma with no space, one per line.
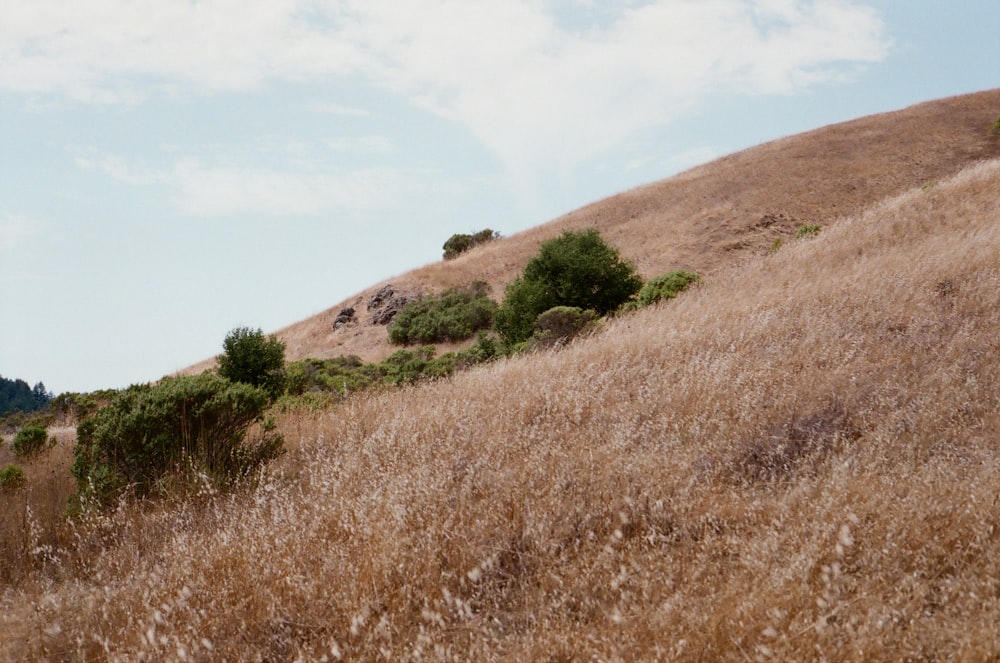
[711,214]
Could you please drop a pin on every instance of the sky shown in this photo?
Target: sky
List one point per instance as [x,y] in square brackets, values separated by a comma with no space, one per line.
[173,169]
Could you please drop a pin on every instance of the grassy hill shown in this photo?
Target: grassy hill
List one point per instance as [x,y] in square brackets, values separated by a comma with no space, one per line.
[704,219]
[794,461]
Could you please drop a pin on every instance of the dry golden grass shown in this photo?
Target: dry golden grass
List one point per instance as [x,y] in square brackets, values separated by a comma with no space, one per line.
[31,518]
[795,461]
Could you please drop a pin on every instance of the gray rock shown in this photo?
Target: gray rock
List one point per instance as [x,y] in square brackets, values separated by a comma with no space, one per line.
[345,316]
[387,302]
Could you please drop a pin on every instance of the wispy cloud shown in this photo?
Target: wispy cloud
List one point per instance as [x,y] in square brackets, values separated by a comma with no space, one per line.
[528,82]
[219,189]
[118,168]
[225,185]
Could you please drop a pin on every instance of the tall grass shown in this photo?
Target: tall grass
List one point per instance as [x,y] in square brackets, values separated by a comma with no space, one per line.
[796,461]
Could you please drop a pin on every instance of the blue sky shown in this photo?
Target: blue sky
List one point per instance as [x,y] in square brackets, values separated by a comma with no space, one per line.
[173,169]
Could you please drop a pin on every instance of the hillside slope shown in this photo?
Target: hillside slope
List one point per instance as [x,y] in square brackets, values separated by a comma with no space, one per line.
[704,219]
[794,461]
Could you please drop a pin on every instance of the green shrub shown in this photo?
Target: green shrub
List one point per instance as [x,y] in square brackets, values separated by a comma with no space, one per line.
[575,269]
[11,478]
[483,350]
[561,324]
[459,243]
[405,366]
[151,435]
[452,316]
[666,287]
[776,245]
[524,301]
[340,375]
[995,127]
[808,230]
[252,358]
[29,440]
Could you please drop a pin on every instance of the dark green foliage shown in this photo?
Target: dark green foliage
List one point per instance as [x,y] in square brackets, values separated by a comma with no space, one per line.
[807,230]
[575,269]
[995,127]
[452,316]
[151,435]
[11,478]
[29,440]
[666,287]
[342,376]
[16,395]
[561,324]
[406,365]
[461,242]
[524,301]
[483,350]
[253,358]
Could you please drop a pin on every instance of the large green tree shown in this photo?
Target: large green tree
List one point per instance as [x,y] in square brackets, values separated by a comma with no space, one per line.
[252,358]
[578,269]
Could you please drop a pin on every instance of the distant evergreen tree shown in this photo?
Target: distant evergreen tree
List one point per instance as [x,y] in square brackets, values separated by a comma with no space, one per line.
[42,396]
[17,395]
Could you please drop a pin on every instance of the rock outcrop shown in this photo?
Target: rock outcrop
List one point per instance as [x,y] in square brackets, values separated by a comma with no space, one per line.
[387,302]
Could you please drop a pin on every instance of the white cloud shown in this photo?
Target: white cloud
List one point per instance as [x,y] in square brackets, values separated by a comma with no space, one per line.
[103,50]
[535,92]
[527,80]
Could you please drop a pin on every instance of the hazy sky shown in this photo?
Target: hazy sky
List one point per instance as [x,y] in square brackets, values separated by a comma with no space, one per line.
[171,169]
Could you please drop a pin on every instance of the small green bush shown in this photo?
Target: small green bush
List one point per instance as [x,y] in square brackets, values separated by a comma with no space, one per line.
[252,358]
[561,324]
[150,436]
[808,230]
[483,350]
[459,243]
[11,478]
[452,316]
[29,441]
[995,127]
[666,287]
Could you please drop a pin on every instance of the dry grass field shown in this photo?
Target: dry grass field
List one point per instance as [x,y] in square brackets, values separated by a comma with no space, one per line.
[796,460]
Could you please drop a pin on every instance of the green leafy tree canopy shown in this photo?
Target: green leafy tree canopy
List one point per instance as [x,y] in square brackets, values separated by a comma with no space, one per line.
[252,358]
[577,269]
[461,242]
